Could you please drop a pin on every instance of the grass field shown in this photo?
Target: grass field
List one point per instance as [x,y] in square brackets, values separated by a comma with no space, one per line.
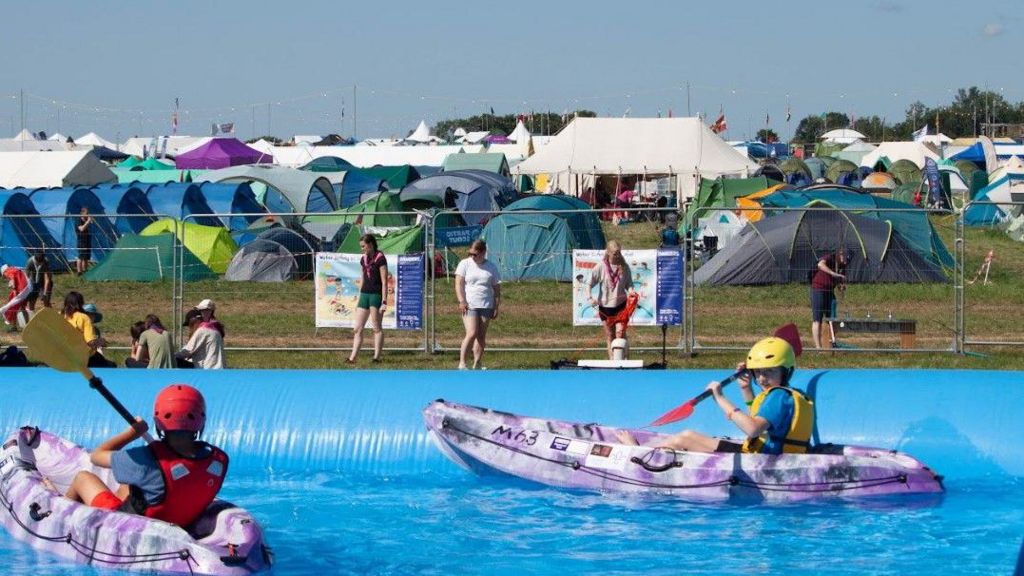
[537,315]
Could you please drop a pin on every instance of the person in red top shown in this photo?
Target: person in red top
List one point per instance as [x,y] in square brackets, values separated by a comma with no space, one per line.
[829,276]
[174,479]
[21,287]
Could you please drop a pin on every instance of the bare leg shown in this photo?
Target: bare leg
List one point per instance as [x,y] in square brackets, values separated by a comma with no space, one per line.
[470,324]
[377,320]
[692,441]
[357,332]
[481,340]
[816,333]
[609,335]
[85,487]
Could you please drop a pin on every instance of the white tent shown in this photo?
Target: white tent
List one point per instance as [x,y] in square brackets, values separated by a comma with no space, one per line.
[24,135]
[459,132]
[94,139]
[369,156]
[12,145]
[474,137]
[58,137]
[159,146]
[422,135]
[936,140]
[916,152]
[855,152]
[842,136]
[520,133]
[683,147]
[52,169]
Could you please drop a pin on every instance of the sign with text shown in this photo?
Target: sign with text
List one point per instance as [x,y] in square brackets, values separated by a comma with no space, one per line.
[657,277]
[337,281]
[460,236]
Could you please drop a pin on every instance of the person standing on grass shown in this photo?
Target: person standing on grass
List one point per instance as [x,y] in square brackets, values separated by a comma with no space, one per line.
[614,280]
[38,271]
[83,231]
[828,277]
[478,288]
[373,297]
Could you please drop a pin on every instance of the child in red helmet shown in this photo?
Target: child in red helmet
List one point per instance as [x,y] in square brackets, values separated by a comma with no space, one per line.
[173,479]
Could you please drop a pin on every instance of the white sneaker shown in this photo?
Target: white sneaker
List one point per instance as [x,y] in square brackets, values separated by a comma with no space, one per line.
[463,367]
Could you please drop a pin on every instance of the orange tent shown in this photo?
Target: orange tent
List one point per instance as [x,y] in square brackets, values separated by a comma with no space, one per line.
[751,208]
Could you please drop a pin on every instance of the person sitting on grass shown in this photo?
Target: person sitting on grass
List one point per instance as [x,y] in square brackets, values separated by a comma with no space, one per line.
[780,420]
[173,479]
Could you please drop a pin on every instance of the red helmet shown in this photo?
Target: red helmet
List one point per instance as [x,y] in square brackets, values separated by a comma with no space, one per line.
[179,407]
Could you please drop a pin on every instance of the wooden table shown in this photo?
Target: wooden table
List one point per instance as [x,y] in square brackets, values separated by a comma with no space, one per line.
[907,329]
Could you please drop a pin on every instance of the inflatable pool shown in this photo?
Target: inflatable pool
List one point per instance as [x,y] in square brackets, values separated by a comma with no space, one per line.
[588,456]
[225,540]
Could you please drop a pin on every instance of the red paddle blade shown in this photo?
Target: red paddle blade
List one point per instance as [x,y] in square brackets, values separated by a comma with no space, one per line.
[676,414]
[791,334]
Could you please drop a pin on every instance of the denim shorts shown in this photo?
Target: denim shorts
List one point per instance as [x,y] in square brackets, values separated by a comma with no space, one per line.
[481,312]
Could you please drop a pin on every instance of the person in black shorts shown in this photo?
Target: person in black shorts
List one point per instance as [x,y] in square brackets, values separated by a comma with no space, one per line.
[84,232]
[37,268]
[829,276]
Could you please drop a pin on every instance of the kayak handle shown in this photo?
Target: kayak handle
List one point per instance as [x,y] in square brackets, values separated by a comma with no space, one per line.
[657,469]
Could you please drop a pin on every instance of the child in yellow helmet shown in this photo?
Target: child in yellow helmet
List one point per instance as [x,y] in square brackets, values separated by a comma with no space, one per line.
[780,419]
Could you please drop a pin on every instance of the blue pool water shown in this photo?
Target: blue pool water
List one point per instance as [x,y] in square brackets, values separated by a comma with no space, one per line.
[338,468]
[451,522]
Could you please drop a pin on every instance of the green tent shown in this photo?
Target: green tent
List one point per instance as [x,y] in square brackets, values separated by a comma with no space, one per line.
[883,164]
[837,168]
[213,245]
[335,224]
[488,161]
[129,162]
[527,245]
[722,193]
[328,164]
[793,164]
[147,259]
[966,168]
[827,149]
[153,164]
[395,241]
[397,177]
[906,192]
[905,171]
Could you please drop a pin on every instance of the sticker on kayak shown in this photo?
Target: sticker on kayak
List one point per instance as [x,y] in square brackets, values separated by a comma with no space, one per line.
[605,457]
[574,447]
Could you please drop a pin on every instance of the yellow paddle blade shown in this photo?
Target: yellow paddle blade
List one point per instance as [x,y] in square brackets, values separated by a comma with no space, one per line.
[55,342]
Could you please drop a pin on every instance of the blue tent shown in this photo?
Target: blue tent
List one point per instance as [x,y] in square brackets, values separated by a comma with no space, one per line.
[126,205]
[530,246]
[179,200]
[357,186]
[975,154]
[983,214]
[59,204]
[585,226]
[232,198]
[25,230]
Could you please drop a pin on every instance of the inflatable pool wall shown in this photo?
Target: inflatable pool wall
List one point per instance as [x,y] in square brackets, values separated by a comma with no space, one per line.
[958,422]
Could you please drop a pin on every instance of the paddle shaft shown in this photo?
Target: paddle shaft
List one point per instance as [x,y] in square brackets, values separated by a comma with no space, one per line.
[98,385]
[707,393]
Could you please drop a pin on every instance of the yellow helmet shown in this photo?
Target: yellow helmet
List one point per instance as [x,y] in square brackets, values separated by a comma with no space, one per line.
[770,353]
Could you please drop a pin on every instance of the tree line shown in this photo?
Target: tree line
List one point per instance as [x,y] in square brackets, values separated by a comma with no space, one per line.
[964,116]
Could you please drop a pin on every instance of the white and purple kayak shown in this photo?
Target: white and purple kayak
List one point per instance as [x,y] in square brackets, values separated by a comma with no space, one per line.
[224,540]
[589,457]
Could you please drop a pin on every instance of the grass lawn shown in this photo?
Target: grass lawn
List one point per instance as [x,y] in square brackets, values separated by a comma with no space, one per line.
[537,315]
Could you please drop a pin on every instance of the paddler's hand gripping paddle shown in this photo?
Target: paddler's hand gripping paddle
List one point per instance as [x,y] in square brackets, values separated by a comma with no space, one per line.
[789,333]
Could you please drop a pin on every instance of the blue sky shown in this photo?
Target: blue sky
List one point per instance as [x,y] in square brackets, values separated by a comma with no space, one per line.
[289,67]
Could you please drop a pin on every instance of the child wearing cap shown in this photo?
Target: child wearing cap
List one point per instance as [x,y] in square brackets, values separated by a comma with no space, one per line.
[205,346]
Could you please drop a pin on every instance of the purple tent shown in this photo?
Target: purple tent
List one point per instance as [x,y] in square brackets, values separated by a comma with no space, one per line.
[221,153]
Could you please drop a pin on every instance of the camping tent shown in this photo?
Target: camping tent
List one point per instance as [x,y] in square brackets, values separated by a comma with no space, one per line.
[750,205]
[56,204]
[854,152]
[584,224]
[530,245]
[787,247]
[467,190]
[52,169]
[905,171]
[916,152]
[334,226]
[490,162]
[627,146]
[126,205]
[213,245]
[25,231]
[988,208]
[178,201]
[879,182]
[221,153]
[911,224]
[722,193]
[843,136]
[262,261]
[837,168]
[389,241]
[282,190]
[302,246]
[234,203]
[148,259]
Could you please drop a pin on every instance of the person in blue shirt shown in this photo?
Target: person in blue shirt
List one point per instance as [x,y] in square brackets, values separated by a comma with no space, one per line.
[780,418]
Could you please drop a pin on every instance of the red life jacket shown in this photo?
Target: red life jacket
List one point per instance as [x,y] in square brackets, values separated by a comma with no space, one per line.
[190,485]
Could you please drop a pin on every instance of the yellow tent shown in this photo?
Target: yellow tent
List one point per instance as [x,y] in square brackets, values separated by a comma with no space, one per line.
[213,245]
[751,206]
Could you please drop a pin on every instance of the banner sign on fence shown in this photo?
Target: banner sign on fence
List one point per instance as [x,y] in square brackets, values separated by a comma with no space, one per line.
[657,277]
[337,280]
[459,236]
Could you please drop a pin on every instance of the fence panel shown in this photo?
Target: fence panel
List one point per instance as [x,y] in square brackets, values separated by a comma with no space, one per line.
[993,256]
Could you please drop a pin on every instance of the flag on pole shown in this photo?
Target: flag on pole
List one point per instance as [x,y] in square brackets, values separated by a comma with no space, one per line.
[720,125]
[767,119]
[789,112]
[919,135]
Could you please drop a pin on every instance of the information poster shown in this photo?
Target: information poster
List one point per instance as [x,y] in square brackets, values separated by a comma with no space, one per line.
[337,280]
[657,278]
